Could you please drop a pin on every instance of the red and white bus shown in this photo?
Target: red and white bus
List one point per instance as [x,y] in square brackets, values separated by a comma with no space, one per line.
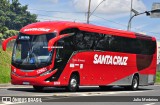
[70,54]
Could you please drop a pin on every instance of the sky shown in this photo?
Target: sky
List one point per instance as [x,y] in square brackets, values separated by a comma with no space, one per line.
[110,13]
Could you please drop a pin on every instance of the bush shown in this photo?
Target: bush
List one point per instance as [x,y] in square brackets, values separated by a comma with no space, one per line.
[8,33]
[1,35]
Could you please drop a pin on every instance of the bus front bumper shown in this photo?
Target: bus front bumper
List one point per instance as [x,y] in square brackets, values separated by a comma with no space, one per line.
[36,81]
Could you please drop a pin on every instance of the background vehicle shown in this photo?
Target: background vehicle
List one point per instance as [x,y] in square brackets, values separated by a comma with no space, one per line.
[75,54]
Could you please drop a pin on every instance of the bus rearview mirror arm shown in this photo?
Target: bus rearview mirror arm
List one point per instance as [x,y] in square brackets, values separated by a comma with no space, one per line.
[54,40]
[5,42]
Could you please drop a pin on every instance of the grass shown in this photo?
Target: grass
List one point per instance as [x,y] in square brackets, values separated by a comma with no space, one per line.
[158,77]
[5,60]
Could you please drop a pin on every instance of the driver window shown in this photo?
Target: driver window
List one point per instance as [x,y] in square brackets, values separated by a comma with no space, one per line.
[59,54]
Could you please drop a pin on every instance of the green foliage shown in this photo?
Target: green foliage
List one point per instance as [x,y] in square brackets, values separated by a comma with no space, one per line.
[14,16]
[3,29]
[8,33]
[5,65]
[1,36]
[158,77]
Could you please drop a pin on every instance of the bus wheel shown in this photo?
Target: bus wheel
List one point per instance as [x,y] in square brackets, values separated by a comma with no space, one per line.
[73,83]
[38,88]
[105,87]
[135,83]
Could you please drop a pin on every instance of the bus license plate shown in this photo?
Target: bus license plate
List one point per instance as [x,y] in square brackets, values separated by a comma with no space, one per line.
[26,83]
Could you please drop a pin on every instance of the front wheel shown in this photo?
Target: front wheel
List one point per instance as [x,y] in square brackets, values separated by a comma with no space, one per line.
[73,83]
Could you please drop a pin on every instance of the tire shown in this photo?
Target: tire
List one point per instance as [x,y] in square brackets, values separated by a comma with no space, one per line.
[135,83]
[73,83]
[105,87]
[38,88]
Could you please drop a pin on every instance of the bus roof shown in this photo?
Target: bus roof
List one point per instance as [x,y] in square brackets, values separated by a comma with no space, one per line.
[57,26]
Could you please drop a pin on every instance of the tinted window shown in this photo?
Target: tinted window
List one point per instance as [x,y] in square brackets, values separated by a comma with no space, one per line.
[88,40]
[130,45]
[147,46]
[82,40]
[69,30]
[67,50]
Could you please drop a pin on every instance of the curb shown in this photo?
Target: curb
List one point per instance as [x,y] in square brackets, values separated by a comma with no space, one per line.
[13,86]
[5,85]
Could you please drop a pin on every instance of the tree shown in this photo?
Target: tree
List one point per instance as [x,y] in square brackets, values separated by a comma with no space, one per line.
[14,16]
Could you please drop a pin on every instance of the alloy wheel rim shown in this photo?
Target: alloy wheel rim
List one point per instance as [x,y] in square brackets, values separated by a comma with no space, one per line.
[135,83]
[73,83]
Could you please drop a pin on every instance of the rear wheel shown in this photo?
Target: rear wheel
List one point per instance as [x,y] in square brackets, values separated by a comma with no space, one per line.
[134,85]
[73,83]
[38,88]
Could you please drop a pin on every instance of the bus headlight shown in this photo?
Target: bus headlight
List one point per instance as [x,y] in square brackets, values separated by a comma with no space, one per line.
[14,72]
[47,72]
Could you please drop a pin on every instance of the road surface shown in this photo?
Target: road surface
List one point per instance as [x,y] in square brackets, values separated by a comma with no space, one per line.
[85,95]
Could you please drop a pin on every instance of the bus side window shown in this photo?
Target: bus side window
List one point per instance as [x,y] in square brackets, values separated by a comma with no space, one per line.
[115,44]
[88,40]
[136,47]
[84,40]
[103,43]
[79,41]
[65,51]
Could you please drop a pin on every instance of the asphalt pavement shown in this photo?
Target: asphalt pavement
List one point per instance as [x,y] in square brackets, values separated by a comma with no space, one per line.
[86,95]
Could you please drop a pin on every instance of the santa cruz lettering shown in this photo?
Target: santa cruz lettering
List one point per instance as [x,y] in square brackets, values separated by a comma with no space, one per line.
[110,60]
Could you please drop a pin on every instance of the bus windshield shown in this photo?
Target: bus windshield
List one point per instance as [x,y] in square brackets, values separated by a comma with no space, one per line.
[32,50]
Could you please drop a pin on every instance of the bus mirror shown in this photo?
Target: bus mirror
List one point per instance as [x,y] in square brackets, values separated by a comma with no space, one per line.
[5,42]
[53,40]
